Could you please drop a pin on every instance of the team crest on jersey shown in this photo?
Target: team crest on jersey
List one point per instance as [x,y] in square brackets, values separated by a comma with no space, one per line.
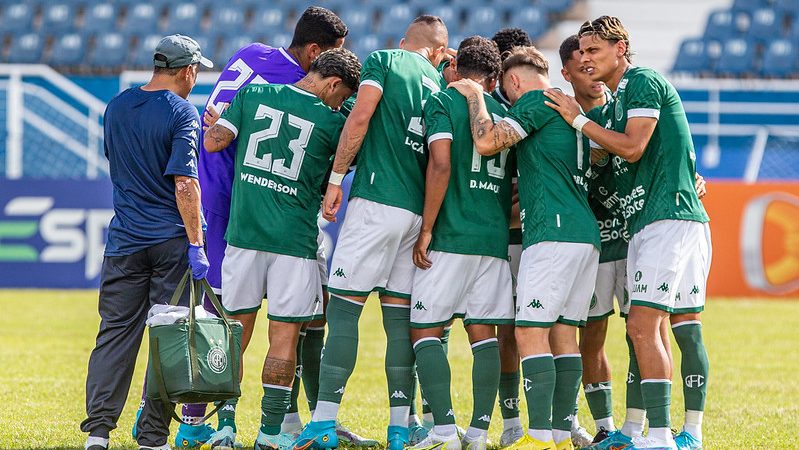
[619,109]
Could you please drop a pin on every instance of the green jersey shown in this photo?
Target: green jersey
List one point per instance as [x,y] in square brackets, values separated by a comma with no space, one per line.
[500,97]
[286,138]
[553,163]
[660,185]
[392,158]
[473,219]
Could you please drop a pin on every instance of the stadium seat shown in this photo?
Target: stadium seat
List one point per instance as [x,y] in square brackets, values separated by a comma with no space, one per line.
[110,51]
[229,47]
[790,7]
[268,20]
[359,19]
[780,59]
[693,57]
[483,20]
[737,58]
[58,17]
[365,45]
[184,18]
[449,13]
[279,40]
[17,18]
[142,55]
[721,26]
[227,20]
[396,19]
[207,45]
[748,5]
[100,18]
[554,6]
[26,49]
[141,19]
[766,24]
[531,19]
[69,50]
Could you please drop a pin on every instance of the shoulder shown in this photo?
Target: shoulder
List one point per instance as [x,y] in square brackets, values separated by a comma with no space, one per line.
[645,75]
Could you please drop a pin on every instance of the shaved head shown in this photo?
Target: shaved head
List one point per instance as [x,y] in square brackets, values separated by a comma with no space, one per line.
[426,32]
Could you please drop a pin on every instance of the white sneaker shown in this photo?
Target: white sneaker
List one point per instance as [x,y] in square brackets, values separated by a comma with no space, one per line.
[437,442]
[641,442]
[581,438]
[511,435]
[160,447]
[478,443]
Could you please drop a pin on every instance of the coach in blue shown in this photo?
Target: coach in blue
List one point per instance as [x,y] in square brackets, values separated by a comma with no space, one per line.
[151,138]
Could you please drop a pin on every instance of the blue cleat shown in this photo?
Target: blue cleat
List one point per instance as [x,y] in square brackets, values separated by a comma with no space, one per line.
[616,440]
[317,435]
[686,441]
[416,433]
[189,436]
[397,437]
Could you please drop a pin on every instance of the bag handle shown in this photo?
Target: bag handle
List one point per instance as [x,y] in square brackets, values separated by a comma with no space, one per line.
[205,286]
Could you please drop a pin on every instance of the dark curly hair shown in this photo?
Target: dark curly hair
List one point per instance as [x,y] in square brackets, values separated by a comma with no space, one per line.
[507,38]
[339,62]
[472,40]
[480,59]
[318,26]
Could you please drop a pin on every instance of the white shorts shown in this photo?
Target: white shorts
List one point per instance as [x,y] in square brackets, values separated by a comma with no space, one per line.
[556,282]
[291,285]
[611,280]
[374,251]
[514,257]
[321,257]
[473,287]
[667,266]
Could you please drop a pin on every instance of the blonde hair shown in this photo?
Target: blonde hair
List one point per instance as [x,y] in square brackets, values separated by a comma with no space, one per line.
[608,28]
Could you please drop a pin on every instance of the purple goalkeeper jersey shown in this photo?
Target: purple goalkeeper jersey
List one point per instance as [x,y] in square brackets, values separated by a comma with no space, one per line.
[253,63]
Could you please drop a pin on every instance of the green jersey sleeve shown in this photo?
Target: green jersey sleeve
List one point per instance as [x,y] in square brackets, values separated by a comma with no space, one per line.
[527,115]
[438,123]
[375,69]
[644,96]
[231,117]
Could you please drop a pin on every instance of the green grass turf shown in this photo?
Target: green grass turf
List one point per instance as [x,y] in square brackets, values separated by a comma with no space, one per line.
[46,338]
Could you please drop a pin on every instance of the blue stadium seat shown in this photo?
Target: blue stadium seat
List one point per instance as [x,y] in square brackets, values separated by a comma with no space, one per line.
[396,19]
[58,17]
[69,50]
[483,20]
[531,19]
[693,57]
[269,19]
[780,59]
[721,26]
[184,18]
[142,56]
[359,19]
[110,51]
[207,45]
[365,45]
[279,40]
[227,19]
[790,7]
[737,58]
[26,49]
[100,18]
[229,47]
[766,24]
[748,5]
[554,6]
[449,13]
[141,19]
[17,18]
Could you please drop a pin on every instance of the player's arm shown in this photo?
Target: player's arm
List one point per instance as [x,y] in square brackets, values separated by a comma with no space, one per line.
[217,138]
[489,138]
[629,145]
[700,186]
[187,196]
[436,181]
[224,128]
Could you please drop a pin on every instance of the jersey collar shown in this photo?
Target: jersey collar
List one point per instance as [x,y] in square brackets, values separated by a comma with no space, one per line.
[288,57]
[300,91]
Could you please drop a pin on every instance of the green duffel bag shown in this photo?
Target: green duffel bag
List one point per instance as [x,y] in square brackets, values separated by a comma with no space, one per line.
[195,360]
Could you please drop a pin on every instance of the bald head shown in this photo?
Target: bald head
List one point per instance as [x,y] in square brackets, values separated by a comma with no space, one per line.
[426,32]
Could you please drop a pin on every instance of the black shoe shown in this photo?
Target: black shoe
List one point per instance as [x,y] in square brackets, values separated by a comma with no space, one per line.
[601,435]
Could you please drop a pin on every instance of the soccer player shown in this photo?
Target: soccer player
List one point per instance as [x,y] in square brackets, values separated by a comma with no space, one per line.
[374,249]
[288,134]
[512,430]
[463,269]
[669,254]
[561,240]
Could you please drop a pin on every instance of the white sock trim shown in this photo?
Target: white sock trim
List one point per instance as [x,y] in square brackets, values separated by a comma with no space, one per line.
[484,341]
[694,417]
[332,296]
[656,380]
[394,305]
[568,355]
[315,329]
[94,440]
[687,322]
[635,415]
[427,339]
[325,411]
[302,333]
[542,355]
[513,422]
[277,386]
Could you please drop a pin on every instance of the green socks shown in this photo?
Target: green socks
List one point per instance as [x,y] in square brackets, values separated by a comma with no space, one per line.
[399,355]
[341,348]
[568,373]
[434,375]
[657,398]
[485,381]
[274,404]
[598,396]
[694,368]
[509,394]
[634,399]
[311,357]
[445,344]
[295,388]
[227,414]
[539,389]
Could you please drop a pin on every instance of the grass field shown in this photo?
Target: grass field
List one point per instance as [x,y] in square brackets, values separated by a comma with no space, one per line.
[46,338]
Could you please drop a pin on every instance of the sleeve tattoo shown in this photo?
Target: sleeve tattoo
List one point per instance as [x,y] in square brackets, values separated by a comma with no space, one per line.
[219,136]
[501,134]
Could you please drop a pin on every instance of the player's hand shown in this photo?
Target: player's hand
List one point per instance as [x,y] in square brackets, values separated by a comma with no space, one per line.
[598,154]
[701,186]
[332,202]
[211,115]
[198,262]
[466,87]
[420,250]
[564,104]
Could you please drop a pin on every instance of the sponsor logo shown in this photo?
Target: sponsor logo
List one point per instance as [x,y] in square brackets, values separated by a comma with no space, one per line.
[511,402]
[216,359]
[630,378]
[298,370]
[398,394]
[638,288]
[339,273]
[451,413]
[633,202]
[693,381]
[677,297]
[664,287]
[638,276]
[695,290]
[535,304]
[419,306]
[339,390]
[593,302]
[769,226]
[485,418]
[527,384]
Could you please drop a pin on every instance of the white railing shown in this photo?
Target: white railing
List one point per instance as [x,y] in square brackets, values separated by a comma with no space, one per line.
[14,79]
